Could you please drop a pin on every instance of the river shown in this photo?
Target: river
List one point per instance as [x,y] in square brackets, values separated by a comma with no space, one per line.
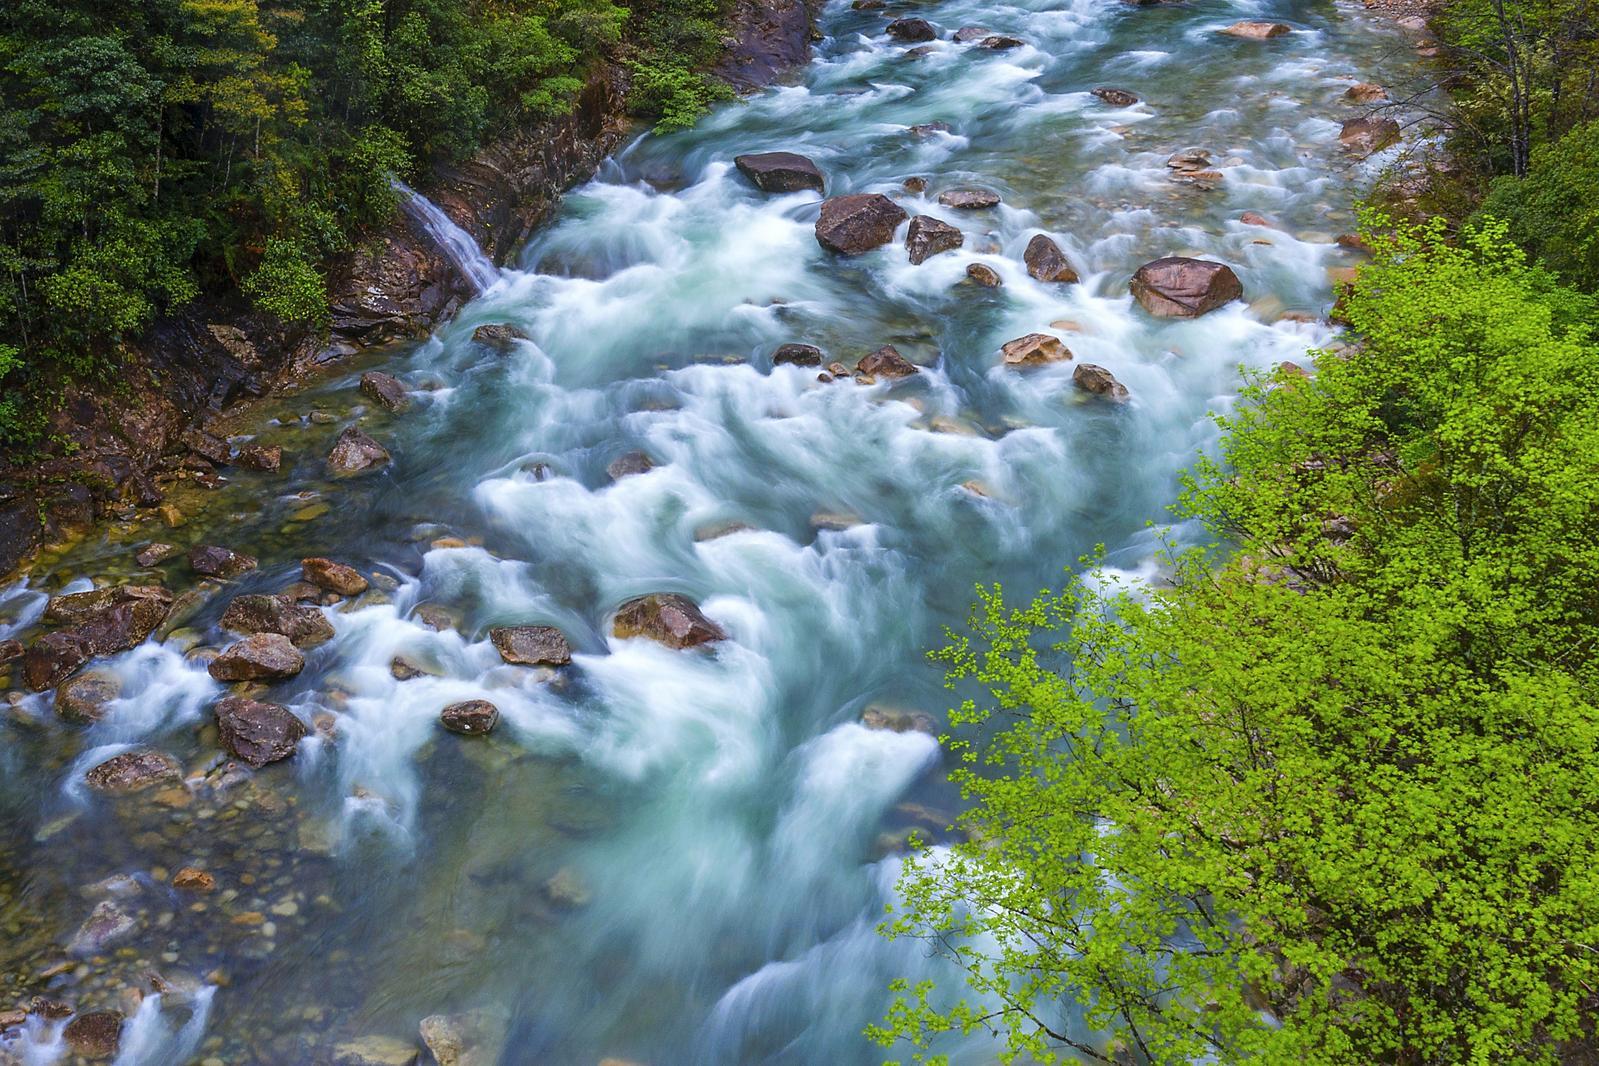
[679,856]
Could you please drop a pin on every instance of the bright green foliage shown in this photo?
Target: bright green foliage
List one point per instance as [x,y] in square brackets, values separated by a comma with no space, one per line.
[1336,798]
[152,150]
[681,38]
[1554,211]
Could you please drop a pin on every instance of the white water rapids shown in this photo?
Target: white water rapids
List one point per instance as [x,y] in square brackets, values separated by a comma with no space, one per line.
[732,828]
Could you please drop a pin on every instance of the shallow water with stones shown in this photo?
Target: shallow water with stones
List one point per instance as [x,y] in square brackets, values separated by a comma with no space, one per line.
[666,856]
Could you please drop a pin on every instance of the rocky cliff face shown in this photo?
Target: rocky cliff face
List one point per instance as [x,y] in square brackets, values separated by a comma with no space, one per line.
[117,445]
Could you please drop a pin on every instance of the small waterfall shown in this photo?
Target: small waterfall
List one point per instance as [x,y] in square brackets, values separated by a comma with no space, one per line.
[456,244]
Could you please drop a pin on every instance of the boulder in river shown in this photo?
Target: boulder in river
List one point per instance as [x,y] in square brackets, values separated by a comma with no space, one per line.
[470,718]
[56,656]
[984,275]
[1115,97]
[77,607]
[898,719]
[355,452]
[83,699]
[1363,136]
[850,225]
[532,645]
[1035,349]
[155,553]
[1365,92]
[1099,381]
[968,34]
[256,613]
[95,1035]
[928,236]
[667,618]
[213,560]
[385,390]
[969,199]
[335,577]
[470,1038]
[797,355]
[134,771]
[107,926]
[498,335]
[262,657]
[256,732]
[9,650]
[629,463]
[1046,262]
[779,171]
[886,362]
[1257,29]
[911,29]
[1001,42]
[1179,287]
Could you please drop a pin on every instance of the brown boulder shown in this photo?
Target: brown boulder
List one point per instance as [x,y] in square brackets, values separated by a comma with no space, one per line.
[1099,381]
[886,362]
[1001,42]
[629,463]
[1365,92]
[779,171]
[77,607]
[850,225]
[797,355]
[1363,136]
[1257,29]
[96,1035]
[969,199]
[82,699]
[1189,159]
[911,29]
[968,34]
[56,656]
[532,645]
[355,452]
[673,620]
[1035,349]
[984,275]
[215,561]
[134,771]
[498,335]
[1046,262]
[9,650]
[928,236]
[1177,287]
[385,390]
[335,577]
[255,613]
[470,718]
[262,657]
[1115,97]
[256,732]
[156,553]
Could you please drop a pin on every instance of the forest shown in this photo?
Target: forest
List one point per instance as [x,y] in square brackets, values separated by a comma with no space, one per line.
[158,150]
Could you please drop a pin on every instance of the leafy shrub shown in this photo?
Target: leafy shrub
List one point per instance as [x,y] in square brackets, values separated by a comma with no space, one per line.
[1553,212]
[287,284]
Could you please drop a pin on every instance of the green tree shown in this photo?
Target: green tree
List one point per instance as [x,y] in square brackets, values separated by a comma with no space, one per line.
[1333,798]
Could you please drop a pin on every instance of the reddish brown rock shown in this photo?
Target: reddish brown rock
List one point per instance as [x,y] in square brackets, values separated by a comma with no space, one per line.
[779,171]
[1046,262]
[256,732]
[56,656]
[1000,42]
[83,699]
[911,29]
[1257,29]
[1115,97]
[156,553]
[1099,381]
[969,199]
[255,613]
[928,236]
[851,225]
[1035,349]
[355,452]
[1250,218]
[1178,287]
[96,1035]
[797,355]
[77,607]
[385,390]
[984,275]
[9,650]
[335,577]
[134,771]
[470,718]
[1363,136]
[627,464]
[532,645]
[215,561]
[886,362]
[193,879]
[262,657]
[668,618]
[1365,92]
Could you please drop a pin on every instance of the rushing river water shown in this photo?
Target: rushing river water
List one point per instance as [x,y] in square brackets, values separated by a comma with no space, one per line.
[680,856]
